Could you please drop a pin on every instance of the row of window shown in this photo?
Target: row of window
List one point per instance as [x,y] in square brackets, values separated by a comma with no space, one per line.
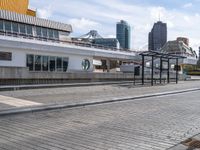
[25,29]
[46,63]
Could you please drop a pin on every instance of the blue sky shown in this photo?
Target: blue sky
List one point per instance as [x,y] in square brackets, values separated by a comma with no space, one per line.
[182,17]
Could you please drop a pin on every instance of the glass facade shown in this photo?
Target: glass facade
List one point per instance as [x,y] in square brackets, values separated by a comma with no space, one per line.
[15,27]
[124,34]
[8,26]
[30,62]
[28,30]
[46,63]
[38,62]
[22,28]
[1,25]
[65,64]
[52,63]
[59,64]
[157,36]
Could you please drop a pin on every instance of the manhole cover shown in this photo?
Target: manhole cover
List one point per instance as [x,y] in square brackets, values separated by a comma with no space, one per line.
[191,143]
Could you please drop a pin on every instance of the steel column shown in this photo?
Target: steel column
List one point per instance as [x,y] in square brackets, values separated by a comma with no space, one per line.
[152,70]
[142,69]
[176,70]
[168,73]
[161,70]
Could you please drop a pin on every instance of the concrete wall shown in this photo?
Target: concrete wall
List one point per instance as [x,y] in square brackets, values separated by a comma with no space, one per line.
[14,75]
[18,58]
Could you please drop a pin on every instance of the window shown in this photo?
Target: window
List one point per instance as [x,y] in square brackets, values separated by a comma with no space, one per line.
[38,63]
[56,34]
[30,62]
[29,29]
[52,63]
[1,25]
[38,31]
[22,28]
[65,64]
[44,32]
[50,31]
[45,63]
[59,64]
[5,56]
[7,26]
[15,27]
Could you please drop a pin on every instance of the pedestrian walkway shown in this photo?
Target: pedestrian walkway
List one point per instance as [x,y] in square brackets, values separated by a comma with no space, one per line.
[78,96]
[16,102]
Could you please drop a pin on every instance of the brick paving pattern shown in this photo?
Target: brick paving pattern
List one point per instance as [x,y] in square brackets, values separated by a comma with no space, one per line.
[147,124]
[74,95]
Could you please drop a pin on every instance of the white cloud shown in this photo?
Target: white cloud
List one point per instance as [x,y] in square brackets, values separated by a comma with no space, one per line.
[102,16]
[45,12]
[83,23]
[187,5]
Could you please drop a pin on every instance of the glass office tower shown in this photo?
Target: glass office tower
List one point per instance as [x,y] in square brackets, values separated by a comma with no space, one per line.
[123,34]
[158,36]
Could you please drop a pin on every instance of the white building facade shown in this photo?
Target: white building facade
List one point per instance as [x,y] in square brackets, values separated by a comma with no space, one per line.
[43,45]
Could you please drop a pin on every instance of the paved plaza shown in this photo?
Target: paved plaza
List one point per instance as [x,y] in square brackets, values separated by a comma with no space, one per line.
[153,123]
[85,94]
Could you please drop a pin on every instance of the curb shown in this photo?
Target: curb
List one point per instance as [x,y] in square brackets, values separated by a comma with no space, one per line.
[64,106]
[41,86]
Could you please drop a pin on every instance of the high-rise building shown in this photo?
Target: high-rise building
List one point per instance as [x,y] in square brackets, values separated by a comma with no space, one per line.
[158,36]
[17,6]
[123,34]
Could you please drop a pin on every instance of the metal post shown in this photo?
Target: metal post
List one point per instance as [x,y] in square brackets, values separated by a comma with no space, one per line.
[142,69]
[168,73]
[152,70]
[161,70]
[134,76]
[176,70]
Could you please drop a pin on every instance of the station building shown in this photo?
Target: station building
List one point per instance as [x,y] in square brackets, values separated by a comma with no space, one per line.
[32,47]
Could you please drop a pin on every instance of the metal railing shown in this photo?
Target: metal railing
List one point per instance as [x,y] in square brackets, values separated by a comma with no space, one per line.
[75,43]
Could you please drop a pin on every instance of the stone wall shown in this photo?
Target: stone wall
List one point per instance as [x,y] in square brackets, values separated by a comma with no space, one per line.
[16,76]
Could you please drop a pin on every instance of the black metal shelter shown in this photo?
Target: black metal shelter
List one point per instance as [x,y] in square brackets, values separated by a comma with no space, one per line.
[164,57]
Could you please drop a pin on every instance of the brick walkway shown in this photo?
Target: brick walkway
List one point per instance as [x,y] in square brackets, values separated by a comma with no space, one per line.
[148,124]
[77,95]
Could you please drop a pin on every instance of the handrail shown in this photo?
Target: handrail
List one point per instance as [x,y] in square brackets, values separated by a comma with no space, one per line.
[76,43]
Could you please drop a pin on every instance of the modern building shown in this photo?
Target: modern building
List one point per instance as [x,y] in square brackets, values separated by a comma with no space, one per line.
[123,34]
[184,40]
[157,36]
[94,37]
[179,48]
[107,42]
[37,46]
[18,6]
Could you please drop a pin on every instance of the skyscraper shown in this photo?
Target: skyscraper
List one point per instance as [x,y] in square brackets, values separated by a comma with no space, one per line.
[123,34]
[158,36]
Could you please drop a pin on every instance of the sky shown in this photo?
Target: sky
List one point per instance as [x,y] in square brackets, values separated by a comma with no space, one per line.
[182,17]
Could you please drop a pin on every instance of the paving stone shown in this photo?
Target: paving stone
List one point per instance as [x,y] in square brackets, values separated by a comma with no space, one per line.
[156,123]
